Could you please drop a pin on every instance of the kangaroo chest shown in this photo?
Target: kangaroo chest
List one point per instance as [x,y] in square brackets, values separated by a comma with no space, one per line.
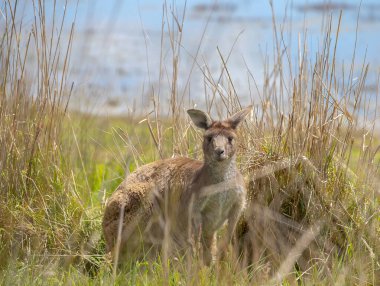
[215,202]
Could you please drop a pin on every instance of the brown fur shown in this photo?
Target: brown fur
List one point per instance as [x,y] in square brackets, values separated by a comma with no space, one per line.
[181,200]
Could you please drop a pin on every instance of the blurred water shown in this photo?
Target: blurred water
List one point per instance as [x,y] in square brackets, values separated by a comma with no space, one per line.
[116,54]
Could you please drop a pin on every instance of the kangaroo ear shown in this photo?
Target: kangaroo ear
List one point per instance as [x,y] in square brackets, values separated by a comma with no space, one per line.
[238,117]
[200,118]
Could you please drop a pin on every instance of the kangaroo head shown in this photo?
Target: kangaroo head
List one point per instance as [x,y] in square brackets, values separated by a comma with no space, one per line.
[220,136]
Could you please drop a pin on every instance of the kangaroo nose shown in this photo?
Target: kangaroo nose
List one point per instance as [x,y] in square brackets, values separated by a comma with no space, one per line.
[219,151]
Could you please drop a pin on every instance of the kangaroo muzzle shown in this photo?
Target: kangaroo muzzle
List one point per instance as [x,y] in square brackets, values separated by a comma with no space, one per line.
[219,144]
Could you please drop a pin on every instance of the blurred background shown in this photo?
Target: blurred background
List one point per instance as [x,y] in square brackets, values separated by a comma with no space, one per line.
[120,58]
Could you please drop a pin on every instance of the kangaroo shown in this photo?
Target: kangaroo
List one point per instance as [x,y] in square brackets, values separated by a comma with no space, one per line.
[193,198]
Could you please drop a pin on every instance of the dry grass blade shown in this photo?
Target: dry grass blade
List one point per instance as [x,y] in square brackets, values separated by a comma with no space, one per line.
[296,252]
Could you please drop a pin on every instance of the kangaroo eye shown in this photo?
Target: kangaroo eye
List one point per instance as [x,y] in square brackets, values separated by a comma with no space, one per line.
[230,139]
[209,138]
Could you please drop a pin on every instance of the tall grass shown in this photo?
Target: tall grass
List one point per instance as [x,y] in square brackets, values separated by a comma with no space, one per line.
[38,205]
[308,152]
